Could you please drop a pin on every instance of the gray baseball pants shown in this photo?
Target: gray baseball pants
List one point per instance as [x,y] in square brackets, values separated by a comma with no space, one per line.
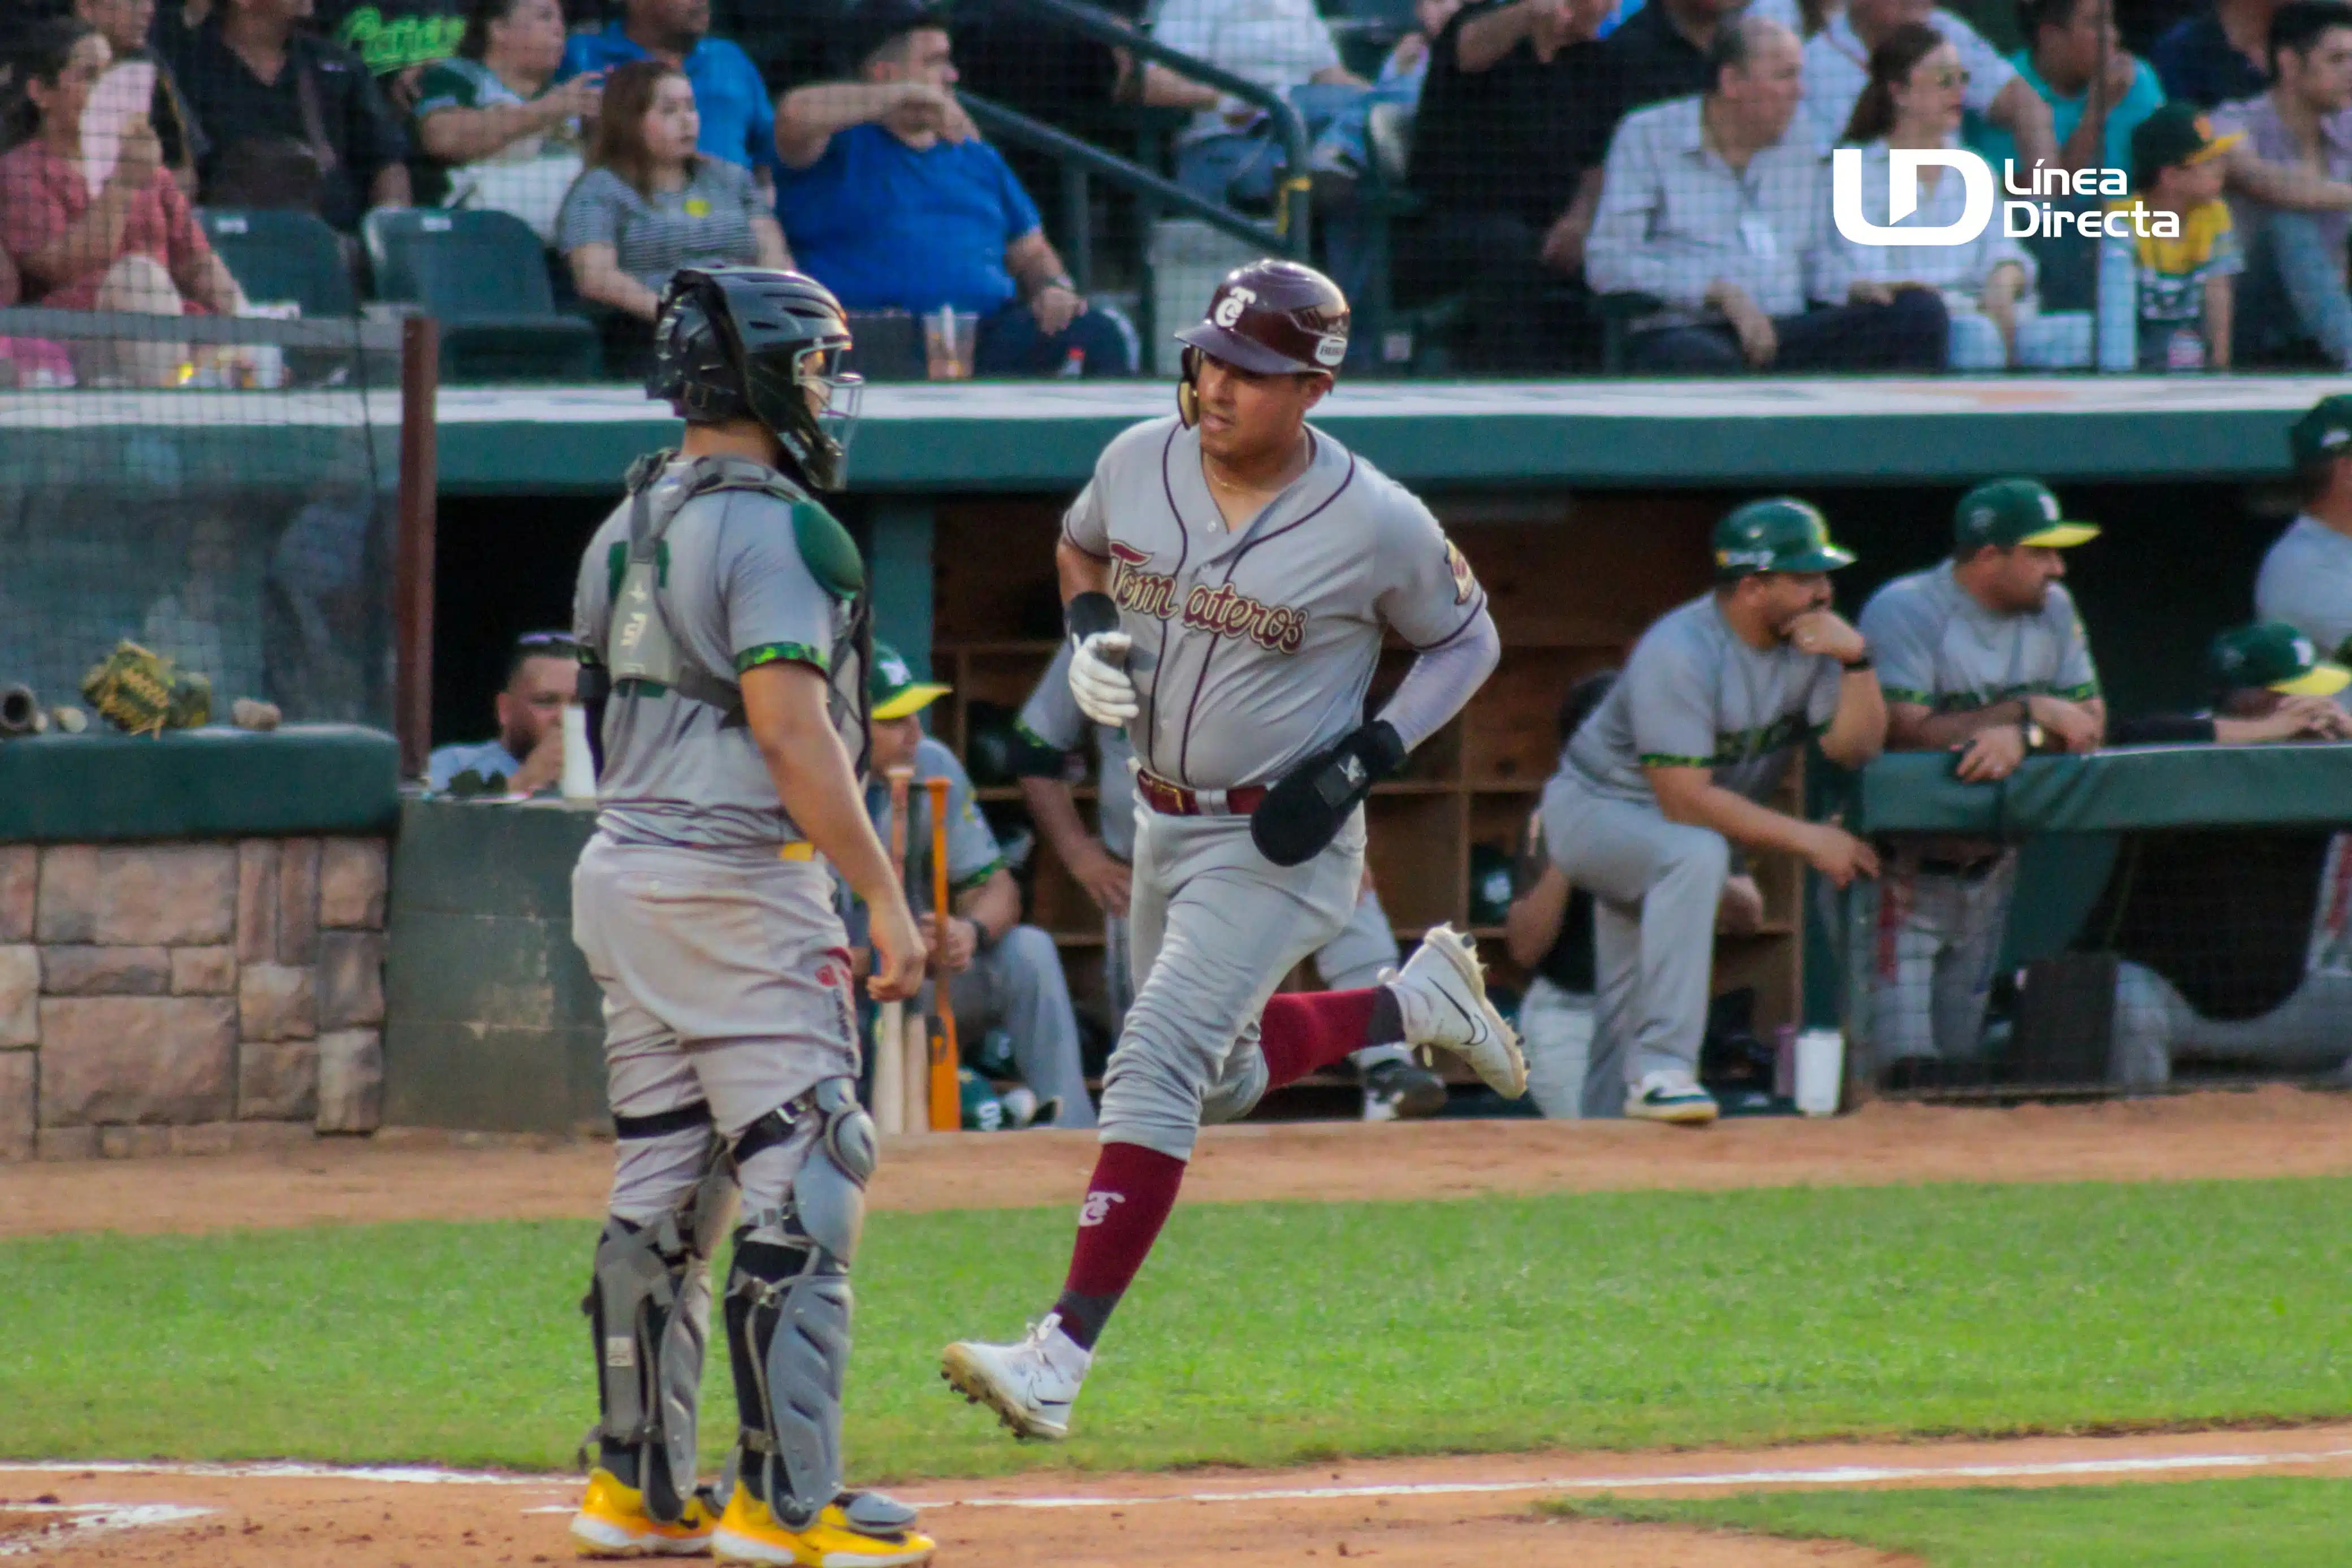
[1019,985]
[1556,1034]
[726,981]
[2311,1032]
[1936,941]
[1214,926]
[1351,961]
[1655,886]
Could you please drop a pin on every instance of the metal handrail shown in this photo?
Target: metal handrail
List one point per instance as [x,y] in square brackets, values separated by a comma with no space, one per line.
[1296,199]
[1012,125]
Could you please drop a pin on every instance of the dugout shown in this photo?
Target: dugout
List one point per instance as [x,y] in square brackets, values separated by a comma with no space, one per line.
[2183,913]
[1584,507]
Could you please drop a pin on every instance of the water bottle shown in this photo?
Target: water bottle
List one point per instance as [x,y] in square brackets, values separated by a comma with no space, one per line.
[2119,307]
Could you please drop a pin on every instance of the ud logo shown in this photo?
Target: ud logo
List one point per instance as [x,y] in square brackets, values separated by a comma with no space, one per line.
[1230,309]
[1096,1208]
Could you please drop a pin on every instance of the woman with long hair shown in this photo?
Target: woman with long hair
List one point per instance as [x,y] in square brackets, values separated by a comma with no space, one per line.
[497,134]
[1914,101]
[649,204]
[132,245]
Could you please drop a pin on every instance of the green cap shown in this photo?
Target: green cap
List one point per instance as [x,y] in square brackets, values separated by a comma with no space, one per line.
[1782,534]
[2273,654]
[2323,433]
[2008,512]
[891,686]
[2176,133]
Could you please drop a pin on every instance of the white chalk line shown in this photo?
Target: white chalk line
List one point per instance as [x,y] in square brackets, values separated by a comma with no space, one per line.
[1822,1476]
[85,1519]
[400,1475]
[1837,1475]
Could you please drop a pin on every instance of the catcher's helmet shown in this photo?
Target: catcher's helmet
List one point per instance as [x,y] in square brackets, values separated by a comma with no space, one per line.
[1276,318]
[735,342]
[1782,534]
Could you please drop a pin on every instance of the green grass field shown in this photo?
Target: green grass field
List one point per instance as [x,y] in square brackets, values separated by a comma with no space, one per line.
[1259,1334]
[2272,1521]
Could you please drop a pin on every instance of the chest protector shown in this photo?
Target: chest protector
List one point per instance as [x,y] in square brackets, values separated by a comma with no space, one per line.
[642,655]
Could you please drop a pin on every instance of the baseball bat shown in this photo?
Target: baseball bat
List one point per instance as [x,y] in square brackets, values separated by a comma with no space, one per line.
[944,1055]
[890,1027]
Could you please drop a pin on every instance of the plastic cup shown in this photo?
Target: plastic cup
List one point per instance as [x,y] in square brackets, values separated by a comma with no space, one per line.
[949,337]
[1820,1072]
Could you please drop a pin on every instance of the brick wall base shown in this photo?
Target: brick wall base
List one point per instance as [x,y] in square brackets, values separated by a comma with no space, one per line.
[189,997]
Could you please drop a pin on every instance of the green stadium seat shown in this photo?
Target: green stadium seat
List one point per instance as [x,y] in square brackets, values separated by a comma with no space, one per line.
[283,254]
[483,275]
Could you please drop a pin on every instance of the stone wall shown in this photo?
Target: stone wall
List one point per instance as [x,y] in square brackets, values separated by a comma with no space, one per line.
[189,997]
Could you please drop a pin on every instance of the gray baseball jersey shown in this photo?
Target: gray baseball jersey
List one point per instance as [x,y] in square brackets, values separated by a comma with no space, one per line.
[736,594]
[1695,695]
[2306,581]
[1937,647]
[1253,649]
[1051,718]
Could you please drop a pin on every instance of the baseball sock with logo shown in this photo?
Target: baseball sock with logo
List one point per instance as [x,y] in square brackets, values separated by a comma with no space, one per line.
[1127,1200]
[1304,1032]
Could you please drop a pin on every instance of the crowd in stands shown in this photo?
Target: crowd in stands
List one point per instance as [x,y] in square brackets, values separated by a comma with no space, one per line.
[1546,182]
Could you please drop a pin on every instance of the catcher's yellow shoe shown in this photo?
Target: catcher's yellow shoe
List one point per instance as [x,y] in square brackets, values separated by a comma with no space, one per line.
[613,1523]
[856,1530]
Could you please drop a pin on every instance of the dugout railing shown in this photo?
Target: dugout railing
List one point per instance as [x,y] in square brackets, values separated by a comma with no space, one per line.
[2159,917]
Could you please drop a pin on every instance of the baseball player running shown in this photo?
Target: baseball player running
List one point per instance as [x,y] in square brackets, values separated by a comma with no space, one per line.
[1983,655]
[1671,771]
[2307,575]
[1395,1085]
[1228,575]
[721,616]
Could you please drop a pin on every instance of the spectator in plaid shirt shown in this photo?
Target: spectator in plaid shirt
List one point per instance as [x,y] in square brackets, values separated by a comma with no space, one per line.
[1709,204]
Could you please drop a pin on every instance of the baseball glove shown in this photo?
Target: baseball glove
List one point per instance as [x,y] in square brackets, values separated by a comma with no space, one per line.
[140,693]
[1305,809]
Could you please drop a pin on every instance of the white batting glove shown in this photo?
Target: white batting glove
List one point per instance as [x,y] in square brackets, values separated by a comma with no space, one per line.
[1098,678]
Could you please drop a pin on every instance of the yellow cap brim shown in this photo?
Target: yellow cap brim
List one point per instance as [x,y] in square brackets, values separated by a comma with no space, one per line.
[2215,148]
[911,699]
[2061,536]
[2322,680]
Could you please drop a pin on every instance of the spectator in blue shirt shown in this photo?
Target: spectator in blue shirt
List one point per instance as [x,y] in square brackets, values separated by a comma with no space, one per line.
[891,200]
[543,674]
[739,119]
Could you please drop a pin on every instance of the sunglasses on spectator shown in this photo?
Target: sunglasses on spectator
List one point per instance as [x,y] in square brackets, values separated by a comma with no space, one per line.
[562,643]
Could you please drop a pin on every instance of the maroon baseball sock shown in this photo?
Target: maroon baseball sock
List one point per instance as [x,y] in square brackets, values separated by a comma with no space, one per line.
[1302,1032]
[1127,1201]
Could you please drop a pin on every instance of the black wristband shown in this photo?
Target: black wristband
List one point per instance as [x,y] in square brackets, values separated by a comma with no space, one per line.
[1089,613]
[1864,662]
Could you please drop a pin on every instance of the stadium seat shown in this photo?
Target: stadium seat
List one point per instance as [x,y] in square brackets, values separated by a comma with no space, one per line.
[483,275]
[283,254]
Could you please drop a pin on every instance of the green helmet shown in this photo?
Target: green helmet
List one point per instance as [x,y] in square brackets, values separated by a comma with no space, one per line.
[1782,534]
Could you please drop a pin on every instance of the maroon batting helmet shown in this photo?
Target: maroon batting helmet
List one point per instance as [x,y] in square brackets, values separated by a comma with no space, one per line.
[1274,318]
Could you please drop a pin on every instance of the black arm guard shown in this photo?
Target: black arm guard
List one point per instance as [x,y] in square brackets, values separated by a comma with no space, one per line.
[1303,811]
[595,689]
[1089,613]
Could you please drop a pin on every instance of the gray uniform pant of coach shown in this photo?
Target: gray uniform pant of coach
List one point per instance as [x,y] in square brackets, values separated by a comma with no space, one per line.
[2310,1031]
[1655,886]
[1019,985]
[1214,926]
[1937,940]
[726,982]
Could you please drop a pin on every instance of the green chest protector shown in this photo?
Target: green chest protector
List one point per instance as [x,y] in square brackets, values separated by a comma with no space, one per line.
[642,655]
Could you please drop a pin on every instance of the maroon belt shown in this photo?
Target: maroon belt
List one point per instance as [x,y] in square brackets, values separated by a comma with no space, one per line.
[1172,800]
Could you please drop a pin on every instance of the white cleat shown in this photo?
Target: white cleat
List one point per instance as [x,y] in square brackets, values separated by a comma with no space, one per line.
[1030,1385]
[1668,1095]
[1441,992]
